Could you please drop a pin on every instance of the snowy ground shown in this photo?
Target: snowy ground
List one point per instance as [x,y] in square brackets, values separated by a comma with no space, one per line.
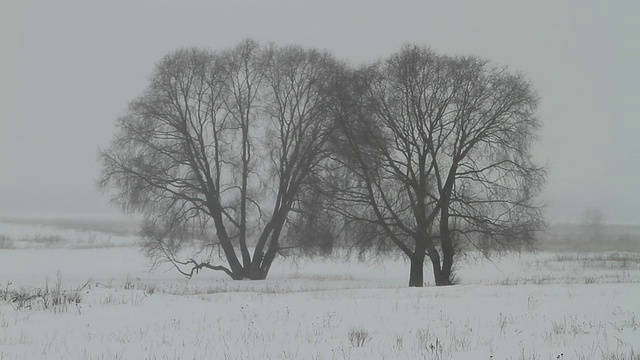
[532,306]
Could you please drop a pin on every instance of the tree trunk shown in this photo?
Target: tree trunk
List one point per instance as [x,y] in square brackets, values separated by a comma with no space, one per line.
[437,267]
[443,278]
[256,274]
[416,276]
[225,242]
[274,247]
[447,263]
[442,272]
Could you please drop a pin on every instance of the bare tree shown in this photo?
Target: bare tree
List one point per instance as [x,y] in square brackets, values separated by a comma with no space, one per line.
[436,149]
[216,151]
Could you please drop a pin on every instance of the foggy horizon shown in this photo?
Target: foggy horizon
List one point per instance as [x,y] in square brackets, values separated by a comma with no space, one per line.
[69,69]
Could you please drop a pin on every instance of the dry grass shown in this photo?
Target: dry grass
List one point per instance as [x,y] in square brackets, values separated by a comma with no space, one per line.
[6,242]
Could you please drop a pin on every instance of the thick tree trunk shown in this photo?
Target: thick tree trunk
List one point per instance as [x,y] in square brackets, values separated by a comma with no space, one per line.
[234,264]
[256,274]
[443,278]
[442,270]
[235,267]
[274,247]
[416,275]
[437,267]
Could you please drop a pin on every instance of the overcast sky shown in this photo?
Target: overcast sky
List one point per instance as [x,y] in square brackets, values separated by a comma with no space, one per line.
[68,69]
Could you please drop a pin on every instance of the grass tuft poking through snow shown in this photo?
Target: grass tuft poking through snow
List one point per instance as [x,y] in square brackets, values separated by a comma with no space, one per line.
[6,242]
[359,337]
[51,297]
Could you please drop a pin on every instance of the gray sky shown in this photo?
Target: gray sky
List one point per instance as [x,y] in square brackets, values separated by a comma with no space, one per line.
[68,69]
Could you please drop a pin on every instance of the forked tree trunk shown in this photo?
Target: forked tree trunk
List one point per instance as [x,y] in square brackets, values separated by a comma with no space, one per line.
[256,274]
[442,270]
[261,263]
[260,266]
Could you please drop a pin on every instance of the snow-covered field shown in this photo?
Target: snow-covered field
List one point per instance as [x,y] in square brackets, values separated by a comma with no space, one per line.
[528,306]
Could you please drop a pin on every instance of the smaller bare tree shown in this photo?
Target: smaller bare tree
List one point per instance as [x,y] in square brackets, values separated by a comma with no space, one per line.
[435,149]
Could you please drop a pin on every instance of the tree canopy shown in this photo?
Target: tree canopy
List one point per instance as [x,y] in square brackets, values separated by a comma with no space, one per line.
[256,149]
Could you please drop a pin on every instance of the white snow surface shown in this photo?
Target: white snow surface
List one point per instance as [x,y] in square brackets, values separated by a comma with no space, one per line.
[517,306]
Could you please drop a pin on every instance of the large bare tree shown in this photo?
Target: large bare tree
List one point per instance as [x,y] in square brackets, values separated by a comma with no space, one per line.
[216,151]
[437,150]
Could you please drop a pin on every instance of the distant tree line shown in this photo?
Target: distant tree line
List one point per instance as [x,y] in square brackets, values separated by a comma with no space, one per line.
[235,157]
